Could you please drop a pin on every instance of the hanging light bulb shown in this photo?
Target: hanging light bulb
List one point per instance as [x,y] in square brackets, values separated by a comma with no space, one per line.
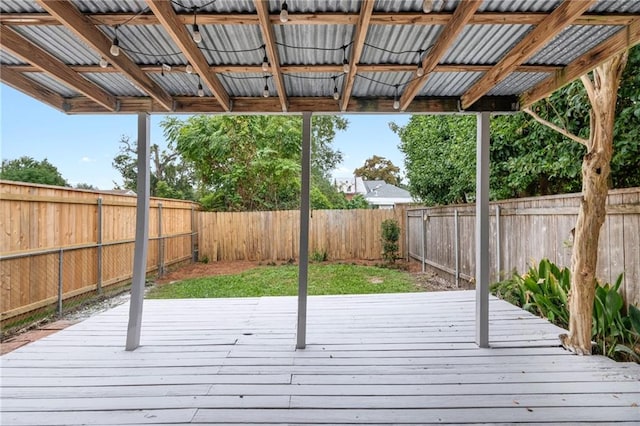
[197,37]
[345,65]
[336,95]
[103,62]
[189,69]
[200,90]
[265,64]
[284,12]
[396,102]
[427,6]
[265,91]
[419,70]
[115,46]
[166,68]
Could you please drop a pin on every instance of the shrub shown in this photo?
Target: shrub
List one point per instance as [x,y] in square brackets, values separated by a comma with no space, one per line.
[390,238]
[319,256]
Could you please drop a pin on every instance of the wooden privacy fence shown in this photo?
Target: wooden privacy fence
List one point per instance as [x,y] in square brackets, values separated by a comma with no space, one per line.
[274,235]
[526,230]
[57,243]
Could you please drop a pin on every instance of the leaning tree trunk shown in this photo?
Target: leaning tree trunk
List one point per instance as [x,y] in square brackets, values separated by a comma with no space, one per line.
[602,91]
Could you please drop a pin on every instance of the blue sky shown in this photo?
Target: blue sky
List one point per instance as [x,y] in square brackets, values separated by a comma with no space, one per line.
[83,146]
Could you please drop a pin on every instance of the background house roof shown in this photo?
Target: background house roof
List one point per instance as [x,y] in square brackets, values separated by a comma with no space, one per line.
[381,189]
[476,55]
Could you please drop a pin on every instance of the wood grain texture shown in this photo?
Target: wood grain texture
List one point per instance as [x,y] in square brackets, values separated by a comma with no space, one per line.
[371,359]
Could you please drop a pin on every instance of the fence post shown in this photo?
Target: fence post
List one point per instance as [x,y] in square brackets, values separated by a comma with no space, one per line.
[194,255]
[456,231]
[160,243]
[99,248]
[407,234]
[498,265]
[60,254]
[423,242]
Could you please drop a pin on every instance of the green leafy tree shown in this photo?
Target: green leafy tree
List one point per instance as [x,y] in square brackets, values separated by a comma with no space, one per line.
[27,169]
[253,162]
[86,186]
[379,168]
[170,176]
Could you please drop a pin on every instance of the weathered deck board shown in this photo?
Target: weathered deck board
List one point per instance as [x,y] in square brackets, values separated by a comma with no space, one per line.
[377,359]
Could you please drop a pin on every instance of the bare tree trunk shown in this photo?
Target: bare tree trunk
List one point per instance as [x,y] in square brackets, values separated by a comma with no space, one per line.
[602,91]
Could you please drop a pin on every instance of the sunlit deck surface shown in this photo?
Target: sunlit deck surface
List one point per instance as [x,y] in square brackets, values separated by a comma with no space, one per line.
[375,359]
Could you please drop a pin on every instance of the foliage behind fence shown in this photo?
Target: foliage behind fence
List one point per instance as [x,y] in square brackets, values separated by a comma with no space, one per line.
[56,240]
[530,229]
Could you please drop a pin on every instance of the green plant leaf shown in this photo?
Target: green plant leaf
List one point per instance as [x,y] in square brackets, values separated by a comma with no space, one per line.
[634,317]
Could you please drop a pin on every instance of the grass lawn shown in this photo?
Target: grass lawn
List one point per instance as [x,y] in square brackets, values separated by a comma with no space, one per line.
[283,281]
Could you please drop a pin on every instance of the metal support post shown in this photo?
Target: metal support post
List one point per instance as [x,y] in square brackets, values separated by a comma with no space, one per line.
[303,261]
[99,246]
[456,231]
[160,243]
[422,241]
[142,235]
[60,283]
[498,248]
[482,230]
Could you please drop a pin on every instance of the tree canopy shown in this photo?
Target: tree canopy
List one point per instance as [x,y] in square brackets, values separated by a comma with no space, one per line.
[27,169]
[379,168]
[527,158]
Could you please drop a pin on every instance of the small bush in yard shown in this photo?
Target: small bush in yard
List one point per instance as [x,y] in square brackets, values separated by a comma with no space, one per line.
[390,238]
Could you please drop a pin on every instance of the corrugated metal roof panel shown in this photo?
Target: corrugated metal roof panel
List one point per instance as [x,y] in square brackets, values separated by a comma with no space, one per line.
[219,6]
[60,42]
[484,44]
[247,84]
[52,84]
[232,44]
[519,5]
[7,58]
[302,39]
[449,83]
[147,44]
[571,43]
[393,38]
[392,6]
[615,6]
[312,84]
[518,82]
[380,84]
[114,83]
[179,83]
[110,6]
[316,6]
[20,6]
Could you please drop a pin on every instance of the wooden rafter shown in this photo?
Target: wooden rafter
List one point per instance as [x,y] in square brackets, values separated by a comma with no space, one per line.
[163,10]
[360,34]
[302,69]
[67,14]
[29,87]
[262,10]
[207,18]
[45,62]
[552,25]
[623,39]
[462,15]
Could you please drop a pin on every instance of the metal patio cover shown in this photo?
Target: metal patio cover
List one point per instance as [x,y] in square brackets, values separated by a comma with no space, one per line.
[328,57]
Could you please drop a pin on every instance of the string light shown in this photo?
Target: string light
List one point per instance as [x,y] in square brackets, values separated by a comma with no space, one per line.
[165,68]
[197,37]
[103,62]
[336,95]
[265,60]
[188,69]
[284,12]
[200,89]
[265,91]
[420,70]
[115,45]
[427,6]
[345,63]
[396,102]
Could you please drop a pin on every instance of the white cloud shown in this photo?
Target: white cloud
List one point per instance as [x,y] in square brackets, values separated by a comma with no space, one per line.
[87,160]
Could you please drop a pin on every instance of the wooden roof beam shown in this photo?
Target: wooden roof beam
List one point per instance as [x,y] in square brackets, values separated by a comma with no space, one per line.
[269,37]
[462,15]
[49,64]
[163,10]
[67,14]
[622,40]
[31,88]
[360,35]
[409,18]
[552,25]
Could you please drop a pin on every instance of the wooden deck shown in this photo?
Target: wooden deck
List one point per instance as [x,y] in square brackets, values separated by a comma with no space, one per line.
[379,359]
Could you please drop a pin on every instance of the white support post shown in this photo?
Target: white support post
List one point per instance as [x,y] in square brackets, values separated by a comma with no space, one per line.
[303,260]
[142,235]
[482,230]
